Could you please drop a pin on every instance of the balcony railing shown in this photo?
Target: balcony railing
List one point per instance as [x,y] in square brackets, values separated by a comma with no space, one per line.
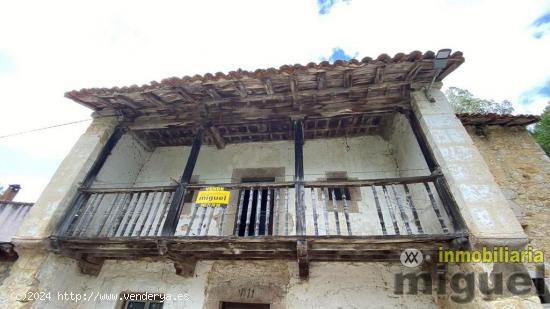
[340,220]
[383,207]
[120,212]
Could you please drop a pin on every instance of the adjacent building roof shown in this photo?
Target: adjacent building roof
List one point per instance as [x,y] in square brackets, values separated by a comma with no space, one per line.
[11,217]
[497,119]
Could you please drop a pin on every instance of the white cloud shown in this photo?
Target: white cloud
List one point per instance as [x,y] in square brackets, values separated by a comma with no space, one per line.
[64,45]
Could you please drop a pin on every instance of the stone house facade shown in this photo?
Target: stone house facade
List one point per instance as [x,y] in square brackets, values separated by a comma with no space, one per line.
[520,167]
[332,170]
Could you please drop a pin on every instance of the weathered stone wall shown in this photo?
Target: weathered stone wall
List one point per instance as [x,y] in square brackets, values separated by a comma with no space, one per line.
[5,267]
[522,170]
[331,285]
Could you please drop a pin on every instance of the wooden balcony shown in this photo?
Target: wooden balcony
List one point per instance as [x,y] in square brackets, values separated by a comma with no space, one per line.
[360,220]
[352,220]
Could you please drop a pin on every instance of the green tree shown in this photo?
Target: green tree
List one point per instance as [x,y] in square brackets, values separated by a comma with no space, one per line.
[541,133]
[463,101]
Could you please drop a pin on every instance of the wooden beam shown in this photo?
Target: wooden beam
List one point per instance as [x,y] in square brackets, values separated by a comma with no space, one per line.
[283,97]
[321,80]
[184,95]
[379,76]
[450,205]
[241,88]
[142,141]
[422,141]
[217,138]
[372,182]
[448,70]
[176,205]
[300,249]
[293,83]
[413,72]
[348,78]
[148,123]
[268,85]
[153,98]
[212,92]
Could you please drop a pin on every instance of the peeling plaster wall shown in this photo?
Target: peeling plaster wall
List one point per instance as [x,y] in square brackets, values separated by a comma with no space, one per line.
[331,285]
[123,165]
[368,157]
[405,148]
[5,268]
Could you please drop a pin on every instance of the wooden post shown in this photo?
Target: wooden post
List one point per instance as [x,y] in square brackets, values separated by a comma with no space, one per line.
[299,176]
[440,182]
[301,244]
[422,141]
[174,212]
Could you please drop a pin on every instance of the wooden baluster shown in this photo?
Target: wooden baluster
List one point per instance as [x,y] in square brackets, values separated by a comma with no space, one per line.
[220,229]
[390,210]
[267,212]
[335,209]
[144,218]
[258,212]
[137,214]
[277,192]
[107,215]
[314,208]
[249,212]
[379,210]
[82,218]
[413,209]
[201,222]
[151,214]
[91,216]
[436,208]
[128,215]
[239,213]
[209,220]
[402,211]
[193,215]
[286,212]
[161,211]
[325,211]
[81,202]
[117,217]
[346,211]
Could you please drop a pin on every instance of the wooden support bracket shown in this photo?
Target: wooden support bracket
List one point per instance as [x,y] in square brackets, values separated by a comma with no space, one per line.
[90,265]
[185,268]
[216,137]
[303,258]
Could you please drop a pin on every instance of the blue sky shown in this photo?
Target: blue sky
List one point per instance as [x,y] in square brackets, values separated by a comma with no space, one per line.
[67,44]
[542,26]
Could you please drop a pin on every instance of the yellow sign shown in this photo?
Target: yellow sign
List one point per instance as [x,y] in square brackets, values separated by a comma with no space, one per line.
[213,197]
